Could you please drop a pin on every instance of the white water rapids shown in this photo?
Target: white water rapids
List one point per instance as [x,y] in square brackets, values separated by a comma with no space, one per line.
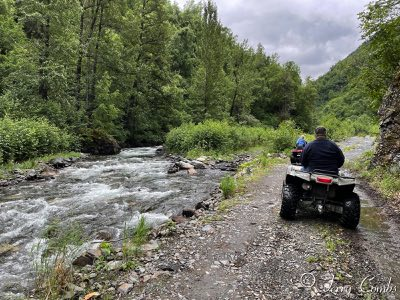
[101,194]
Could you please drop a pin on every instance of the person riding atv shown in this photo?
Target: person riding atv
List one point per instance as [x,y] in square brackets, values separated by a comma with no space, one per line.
[295,155]
[322,154]
[301,142]
[316,184]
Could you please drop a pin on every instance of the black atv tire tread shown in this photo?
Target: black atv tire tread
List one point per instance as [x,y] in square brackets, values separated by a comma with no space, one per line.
[351,214]
[290,196]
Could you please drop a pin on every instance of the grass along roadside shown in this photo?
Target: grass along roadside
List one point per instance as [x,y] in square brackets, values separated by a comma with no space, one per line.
[233,187]
[385,180]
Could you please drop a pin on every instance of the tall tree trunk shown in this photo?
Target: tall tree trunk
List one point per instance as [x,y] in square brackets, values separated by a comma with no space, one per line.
[92,94]
[43,60]
[130,120]
[78,73]
[95,13]
[234,109]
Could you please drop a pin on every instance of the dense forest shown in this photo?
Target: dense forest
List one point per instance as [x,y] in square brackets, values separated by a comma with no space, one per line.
[74,72]
[134,70]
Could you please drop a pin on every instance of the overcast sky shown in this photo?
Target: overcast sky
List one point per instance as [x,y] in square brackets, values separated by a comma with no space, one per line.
[313,33]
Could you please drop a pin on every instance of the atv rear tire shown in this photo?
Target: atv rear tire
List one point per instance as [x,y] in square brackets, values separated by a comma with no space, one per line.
[293,160]
[351,211]
[290,197]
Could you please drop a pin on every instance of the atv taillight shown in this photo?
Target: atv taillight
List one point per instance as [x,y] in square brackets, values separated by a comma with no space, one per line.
[324,180]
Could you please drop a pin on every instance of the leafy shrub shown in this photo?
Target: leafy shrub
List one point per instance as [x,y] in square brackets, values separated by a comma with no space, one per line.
[228,186]
[224,137]
[286,136]
[340,129]
[27,138]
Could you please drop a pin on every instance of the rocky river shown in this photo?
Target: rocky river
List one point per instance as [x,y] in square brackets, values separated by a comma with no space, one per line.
[102,195]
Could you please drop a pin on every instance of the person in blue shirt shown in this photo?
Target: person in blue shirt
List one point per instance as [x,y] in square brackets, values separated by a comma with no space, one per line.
[301,142]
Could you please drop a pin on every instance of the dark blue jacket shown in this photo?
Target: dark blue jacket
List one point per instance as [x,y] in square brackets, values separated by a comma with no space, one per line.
[322,154]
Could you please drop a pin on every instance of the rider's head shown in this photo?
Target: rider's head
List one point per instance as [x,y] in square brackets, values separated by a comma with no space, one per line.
[320,132]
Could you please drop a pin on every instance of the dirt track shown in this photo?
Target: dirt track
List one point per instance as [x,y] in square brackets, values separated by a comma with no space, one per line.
[250,253]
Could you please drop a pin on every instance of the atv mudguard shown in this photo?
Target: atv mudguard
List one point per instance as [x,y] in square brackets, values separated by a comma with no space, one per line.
[295,172]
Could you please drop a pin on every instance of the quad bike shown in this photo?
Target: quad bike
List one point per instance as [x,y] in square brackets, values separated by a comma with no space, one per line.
[295,156]
[322,191]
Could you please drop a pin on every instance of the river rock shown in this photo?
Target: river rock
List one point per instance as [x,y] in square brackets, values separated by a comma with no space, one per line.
[184,165]
[178,219]
[160,273]
[191,172]
[202,159]
[59,163]
[104,235]
[31,175]
[197,164]
[188,213]
[89,256]
[173,169]
[48,172]
[114,265]
[160,150]
[208,229]
[134,277]
[150,246]
[99,143]
[169,266]
[125,288]
[83,260]
[202,205]
[6,248]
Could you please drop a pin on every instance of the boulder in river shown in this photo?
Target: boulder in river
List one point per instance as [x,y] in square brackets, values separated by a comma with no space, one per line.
[173,169]
[59,163]
[198,164]
[184,165]
[99,143]
[31,175]
[191,171]
[160,150]
[48,172]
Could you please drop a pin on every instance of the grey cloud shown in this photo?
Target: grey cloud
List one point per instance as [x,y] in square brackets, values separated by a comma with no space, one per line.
[315,34]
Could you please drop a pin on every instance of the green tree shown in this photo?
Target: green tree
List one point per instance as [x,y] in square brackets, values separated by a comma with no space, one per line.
[156,97]
[380,23]
[210,86]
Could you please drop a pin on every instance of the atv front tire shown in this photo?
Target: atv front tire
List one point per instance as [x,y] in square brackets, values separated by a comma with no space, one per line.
[290,197]
[351,211]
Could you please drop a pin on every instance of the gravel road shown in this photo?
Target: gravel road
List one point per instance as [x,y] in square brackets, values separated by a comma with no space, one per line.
[249,252]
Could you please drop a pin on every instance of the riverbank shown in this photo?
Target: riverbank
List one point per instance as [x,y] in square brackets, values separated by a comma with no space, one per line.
[41,168]
[102,196]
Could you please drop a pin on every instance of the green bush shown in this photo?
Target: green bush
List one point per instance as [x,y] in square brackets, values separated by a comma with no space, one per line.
[228,186]
[26,138]
[225,137]
[340,129]
[285,136]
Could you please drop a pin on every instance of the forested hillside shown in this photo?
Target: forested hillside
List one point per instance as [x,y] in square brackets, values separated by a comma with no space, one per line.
[134,70]
[350,94]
